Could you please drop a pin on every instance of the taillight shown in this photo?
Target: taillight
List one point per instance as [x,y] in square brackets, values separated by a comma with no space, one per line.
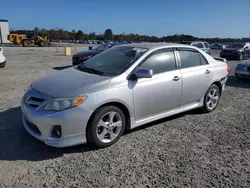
[229,69]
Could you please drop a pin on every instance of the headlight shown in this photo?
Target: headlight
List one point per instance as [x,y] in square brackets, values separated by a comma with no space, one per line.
[63,103]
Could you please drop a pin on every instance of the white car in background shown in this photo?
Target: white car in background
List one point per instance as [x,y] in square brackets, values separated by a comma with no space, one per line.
[2,58]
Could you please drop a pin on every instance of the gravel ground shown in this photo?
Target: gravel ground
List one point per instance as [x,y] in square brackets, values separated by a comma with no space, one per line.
[187,150]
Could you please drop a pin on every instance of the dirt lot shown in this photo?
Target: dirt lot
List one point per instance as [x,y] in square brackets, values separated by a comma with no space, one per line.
[188,150]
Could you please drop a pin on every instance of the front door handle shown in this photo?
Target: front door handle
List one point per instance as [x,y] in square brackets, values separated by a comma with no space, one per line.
[176,78]
[207,71]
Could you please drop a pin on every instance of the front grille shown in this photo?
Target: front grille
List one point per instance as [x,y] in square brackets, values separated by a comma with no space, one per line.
[33,127]
[35,99]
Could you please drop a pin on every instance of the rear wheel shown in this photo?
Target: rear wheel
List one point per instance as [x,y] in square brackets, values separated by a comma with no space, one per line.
[106,127]
[211,98]
[26,43]
[42,43]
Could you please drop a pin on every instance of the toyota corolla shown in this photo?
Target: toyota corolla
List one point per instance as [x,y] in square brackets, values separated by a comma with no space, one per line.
[122,88]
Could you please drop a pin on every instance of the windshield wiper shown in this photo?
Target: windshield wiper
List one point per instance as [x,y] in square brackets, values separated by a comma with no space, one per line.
[91,70]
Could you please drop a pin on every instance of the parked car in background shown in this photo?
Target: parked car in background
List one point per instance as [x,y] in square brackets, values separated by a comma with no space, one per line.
[83,56]
[217,46]
[199,44]
[236,51]
[121,88]
[2,58]
[242,70]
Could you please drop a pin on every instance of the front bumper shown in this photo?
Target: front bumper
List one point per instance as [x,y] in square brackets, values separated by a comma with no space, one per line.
[73,124]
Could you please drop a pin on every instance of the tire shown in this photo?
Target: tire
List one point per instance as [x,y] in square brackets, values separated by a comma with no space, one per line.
[42,43]
[26,43]
[211,103]
[100,133]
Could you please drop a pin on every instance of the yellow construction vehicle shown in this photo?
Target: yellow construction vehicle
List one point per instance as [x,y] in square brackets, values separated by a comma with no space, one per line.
[27,38]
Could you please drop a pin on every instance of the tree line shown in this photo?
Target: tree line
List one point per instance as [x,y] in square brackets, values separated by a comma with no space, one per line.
[61,34]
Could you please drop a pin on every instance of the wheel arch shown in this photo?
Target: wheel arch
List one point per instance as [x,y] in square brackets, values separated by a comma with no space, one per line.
[119,105]
[218,83]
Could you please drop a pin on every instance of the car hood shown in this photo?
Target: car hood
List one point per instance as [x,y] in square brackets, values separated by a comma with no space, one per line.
[87,53]
[69,82]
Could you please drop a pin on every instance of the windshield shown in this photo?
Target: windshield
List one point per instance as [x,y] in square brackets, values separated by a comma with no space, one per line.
[113,61]
[101,48]
[235,46]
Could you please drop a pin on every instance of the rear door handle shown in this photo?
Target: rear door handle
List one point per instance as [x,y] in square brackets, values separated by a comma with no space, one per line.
[176,78]
[207,71]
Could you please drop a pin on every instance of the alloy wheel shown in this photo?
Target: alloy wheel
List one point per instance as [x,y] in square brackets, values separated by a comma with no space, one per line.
[212,98]
[109,127]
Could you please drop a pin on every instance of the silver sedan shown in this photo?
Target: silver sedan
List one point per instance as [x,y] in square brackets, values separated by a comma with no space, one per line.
[242,70]
[122,88]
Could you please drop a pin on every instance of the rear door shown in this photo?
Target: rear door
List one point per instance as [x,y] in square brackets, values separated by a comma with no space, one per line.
[196,74]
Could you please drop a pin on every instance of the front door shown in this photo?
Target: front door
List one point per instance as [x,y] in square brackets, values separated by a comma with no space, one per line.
[161,93]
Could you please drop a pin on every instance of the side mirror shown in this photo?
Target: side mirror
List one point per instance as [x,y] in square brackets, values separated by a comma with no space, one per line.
[144,73]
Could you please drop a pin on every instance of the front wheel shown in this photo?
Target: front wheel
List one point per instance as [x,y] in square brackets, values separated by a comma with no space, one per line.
[106,127]
[211,98]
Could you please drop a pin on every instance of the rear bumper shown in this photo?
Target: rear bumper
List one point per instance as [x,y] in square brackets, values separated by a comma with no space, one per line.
[2,64]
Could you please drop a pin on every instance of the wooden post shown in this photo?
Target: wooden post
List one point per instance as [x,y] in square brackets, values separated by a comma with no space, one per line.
[76,50]
[57,50]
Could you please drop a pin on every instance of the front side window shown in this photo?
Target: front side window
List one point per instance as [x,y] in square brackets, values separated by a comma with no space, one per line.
[191,59]
[160,62]
[113,61]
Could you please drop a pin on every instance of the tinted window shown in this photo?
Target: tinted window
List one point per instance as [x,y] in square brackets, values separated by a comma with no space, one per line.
[206,45]
[191,59]
[161,62]
[101,48]
[198,45]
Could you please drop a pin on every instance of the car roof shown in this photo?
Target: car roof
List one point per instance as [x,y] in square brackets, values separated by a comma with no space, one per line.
[152,46]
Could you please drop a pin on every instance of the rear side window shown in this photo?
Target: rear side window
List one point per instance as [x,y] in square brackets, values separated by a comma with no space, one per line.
[191,59]
[203,60]
[198,45]
[160,62]
[206,45]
